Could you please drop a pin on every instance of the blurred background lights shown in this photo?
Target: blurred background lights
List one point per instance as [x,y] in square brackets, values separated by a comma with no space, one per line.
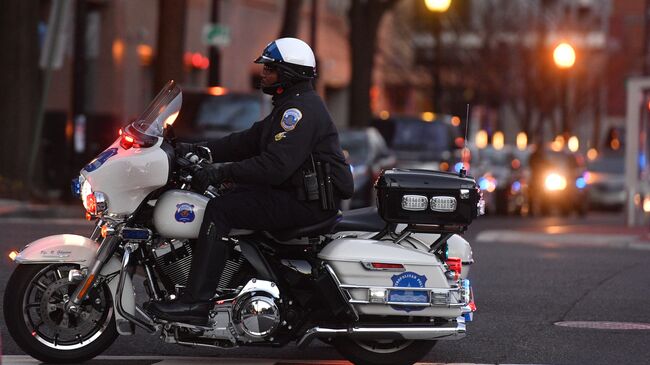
[428,116]
[522,141]
[437,5]
[481,139]
[455,121]
[592,154]
[574,144]
[384,114]
[498,140]
[564,55]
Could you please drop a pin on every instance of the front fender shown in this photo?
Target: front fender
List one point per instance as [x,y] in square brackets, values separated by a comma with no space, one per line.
[60,248]
[70,248]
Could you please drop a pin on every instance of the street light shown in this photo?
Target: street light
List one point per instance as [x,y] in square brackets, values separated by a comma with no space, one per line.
[564,57]
[437,7]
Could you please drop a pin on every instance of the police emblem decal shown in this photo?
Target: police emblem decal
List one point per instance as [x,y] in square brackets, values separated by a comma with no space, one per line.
[290,119]
[184,213]
[280,136]
[99,160]
[408,279]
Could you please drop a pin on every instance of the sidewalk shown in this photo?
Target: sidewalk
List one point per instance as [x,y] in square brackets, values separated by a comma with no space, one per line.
[24,209]
[619,236]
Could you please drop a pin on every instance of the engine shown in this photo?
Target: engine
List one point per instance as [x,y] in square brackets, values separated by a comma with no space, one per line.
[174,260]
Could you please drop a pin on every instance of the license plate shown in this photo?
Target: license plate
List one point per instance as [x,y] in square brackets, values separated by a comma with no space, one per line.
[408,296]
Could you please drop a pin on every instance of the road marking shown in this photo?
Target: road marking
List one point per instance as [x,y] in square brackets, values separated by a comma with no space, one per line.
[179,360]
[600,325]
[624,241]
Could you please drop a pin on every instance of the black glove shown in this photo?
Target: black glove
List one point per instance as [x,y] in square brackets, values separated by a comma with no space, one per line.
[182,149]
[208,175]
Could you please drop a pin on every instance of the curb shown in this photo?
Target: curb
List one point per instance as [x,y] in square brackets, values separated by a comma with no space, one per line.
[629,241]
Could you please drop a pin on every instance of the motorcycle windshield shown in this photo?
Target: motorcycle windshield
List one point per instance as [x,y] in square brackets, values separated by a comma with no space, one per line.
[162,110]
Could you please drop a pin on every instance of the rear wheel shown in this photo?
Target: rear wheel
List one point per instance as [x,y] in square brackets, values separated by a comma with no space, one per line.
[383,352]
[37,321]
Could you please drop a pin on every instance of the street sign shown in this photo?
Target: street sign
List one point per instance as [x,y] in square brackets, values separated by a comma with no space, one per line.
[216,35]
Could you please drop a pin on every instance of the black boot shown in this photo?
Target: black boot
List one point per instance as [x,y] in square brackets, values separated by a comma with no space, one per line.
[208,260]
[183,310]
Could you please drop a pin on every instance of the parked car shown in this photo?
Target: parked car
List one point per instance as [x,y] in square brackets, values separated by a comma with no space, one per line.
[606,180]
[422,144]
[367,155]
[557,182]
[211,113]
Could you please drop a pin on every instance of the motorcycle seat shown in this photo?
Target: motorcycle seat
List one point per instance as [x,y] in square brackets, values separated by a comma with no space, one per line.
[362,219]
[318,229]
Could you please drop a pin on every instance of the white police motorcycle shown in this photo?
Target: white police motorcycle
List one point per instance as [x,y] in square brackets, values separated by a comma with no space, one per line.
[383,288]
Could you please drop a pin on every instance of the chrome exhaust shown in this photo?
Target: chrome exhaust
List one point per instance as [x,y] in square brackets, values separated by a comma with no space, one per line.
[453,330]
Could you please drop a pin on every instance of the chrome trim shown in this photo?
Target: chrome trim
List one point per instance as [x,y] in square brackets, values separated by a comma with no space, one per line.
[434,296]
[453,330]
[101,202]
[345,295]
[120,288]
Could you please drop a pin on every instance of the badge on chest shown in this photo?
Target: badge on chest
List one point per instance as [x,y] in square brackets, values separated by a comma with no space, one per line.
[290,119]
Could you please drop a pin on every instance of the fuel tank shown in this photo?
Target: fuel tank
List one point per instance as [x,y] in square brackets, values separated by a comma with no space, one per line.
[179,213]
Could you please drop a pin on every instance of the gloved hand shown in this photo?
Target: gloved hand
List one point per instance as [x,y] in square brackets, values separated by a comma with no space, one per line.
[208,175]
[182,149]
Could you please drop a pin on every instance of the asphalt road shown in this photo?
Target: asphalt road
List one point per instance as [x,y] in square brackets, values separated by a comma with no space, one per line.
[521,290]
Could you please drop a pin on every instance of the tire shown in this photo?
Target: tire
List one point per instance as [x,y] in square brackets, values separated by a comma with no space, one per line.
[96,315]
[403,352]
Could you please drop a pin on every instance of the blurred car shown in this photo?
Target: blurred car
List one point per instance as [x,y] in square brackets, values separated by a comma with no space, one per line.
[215,112]
[430,145]
[503,176]
[368,155]
[558,181]
[606,180]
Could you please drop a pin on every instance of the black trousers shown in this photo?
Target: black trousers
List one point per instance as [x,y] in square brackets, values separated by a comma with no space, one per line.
[246,207]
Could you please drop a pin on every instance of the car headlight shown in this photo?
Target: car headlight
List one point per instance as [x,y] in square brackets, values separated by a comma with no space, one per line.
[555,182]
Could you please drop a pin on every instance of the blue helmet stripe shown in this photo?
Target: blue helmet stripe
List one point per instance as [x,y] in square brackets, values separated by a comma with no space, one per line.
[273,52]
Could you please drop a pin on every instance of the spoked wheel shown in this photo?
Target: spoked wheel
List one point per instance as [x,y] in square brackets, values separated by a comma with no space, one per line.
[383,352]
[37,320]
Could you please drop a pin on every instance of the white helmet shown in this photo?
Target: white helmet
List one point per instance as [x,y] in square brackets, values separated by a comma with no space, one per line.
[293,56]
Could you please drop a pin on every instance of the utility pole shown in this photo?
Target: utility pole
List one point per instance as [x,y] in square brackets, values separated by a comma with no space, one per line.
[214,78]
[646,39]
[313,29]
[76,140]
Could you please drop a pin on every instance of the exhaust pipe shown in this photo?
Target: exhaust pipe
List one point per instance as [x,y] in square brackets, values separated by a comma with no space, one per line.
[451,331]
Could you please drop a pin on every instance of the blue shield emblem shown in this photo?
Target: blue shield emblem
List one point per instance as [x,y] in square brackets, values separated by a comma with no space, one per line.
[184,213]
[290,118]
[408,279]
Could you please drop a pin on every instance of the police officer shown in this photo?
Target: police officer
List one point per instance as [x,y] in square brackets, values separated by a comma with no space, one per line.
[268,165]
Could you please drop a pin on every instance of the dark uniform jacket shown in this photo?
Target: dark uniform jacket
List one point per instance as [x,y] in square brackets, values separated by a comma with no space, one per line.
[275,150]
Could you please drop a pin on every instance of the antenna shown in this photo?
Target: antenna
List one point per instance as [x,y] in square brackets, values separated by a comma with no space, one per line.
[462,171]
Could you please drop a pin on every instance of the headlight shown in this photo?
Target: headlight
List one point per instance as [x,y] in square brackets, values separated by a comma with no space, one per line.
[94,202]
[555,182]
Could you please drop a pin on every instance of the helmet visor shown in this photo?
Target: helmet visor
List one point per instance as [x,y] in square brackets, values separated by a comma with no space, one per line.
[270,54]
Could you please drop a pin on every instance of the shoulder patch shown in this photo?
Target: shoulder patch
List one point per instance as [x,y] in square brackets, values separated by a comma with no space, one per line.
[290,119]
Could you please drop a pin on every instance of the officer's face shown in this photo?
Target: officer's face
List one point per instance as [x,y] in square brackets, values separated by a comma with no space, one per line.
[269,75]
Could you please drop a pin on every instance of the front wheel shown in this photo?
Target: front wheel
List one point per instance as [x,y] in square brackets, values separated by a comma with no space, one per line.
[383,352]
[37,321]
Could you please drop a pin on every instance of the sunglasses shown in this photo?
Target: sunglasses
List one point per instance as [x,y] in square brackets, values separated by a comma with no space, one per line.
[270,68]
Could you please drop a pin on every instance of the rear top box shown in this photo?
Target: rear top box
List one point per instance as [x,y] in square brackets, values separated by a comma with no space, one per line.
[429,198]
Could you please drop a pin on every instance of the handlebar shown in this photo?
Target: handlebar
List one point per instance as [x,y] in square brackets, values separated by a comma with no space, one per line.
[189,165]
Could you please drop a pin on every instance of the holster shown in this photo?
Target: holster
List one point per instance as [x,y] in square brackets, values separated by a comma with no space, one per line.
[317,183]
